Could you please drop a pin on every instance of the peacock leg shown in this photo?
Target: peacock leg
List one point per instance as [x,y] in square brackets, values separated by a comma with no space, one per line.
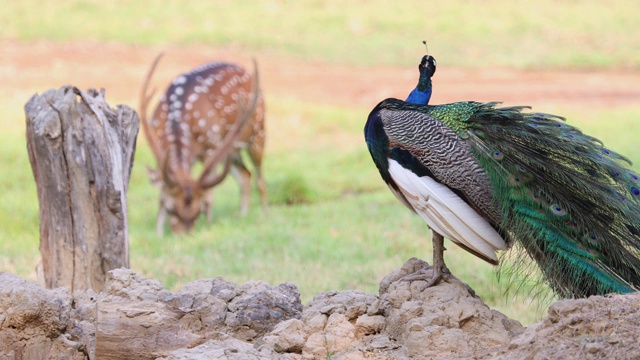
[439,270]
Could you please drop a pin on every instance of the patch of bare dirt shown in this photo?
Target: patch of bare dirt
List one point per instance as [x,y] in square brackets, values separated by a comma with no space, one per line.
[119,68]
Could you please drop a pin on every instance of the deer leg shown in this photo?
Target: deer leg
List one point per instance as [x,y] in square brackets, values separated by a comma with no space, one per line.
[243,177]
[262,187]
[162,215]
[207,205]
[255,154]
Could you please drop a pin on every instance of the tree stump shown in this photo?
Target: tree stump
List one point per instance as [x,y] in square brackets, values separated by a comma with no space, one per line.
[81,153]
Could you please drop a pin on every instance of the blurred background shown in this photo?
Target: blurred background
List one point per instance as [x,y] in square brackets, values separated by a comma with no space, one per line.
[332,223]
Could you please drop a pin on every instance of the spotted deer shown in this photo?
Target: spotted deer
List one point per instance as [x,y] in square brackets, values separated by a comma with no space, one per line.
[209,115]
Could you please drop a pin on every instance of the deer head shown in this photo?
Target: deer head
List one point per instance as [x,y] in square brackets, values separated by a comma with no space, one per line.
[184,130]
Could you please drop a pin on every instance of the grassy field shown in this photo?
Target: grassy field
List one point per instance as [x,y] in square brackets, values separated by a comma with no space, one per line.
[346,230]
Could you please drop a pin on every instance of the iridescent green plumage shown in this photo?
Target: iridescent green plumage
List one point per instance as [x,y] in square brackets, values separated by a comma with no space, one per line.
[571,204]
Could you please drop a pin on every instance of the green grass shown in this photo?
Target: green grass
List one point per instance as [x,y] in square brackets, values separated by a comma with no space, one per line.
[465,33]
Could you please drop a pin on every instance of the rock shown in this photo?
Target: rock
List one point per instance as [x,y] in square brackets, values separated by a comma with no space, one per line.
[258,308]
[35,323]
[287,337]
[338,335]
[429,320]
[222,320]
[227,349]
[595,328]
[369,325]
[127,284]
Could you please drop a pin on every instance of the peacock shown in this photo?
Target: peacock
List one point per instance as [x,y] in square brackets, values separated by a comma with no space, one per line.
[489,177]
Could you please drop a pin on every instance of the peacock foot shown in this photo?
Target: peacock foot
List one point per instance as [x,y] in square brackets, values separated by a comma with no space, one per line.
[431,274]
[433,277]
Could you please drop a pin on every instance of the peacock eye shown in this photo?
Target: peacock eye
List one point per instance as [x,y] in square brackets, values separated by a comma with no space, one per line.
[497,155]
[635,191]
[515,180]
[558,210]
[633,176]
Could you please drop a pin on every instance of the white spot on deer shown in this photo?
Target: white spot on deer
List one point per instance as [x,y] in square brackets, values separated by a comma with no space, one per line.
[201,139]
[211,113]
[224,90]
[155,122]
[234,96]
[175,115]
[196,113]
[173,97]
[179,90]
[171,138]
[202,123]
[193,97]
[165,106]
[210,152]
[188,106]
[176,105]
[180,80]
[215,128]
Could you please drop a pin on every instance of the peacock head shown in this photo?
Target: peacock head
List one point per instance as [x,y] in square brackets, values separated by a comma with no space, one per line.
[427,66]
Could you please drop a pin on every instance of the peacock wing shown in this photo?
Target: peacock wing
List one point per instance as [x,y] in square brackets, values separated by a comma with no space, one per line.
[433,168]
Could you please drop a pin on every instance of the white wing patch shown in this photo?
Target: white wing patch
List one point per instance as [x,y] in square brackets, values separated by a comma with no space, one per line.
[446,213]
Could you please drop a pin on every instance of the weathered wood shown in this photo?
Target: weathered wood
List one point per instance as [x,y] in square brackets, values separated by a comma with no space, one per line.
[81,153]
[140,330]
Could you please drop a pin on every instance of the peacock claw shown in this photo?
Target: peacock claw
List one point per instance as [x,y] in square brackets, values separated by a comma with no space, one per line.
[430,275]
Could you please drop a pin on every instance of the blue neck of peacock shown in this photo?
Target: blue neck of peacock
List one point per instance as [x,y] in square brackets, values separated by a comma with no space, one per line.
[422,93]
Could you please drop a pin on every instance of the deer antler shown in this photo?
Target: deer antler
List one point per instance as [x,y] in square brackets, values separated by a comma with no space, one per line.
[244,115]
[144,103]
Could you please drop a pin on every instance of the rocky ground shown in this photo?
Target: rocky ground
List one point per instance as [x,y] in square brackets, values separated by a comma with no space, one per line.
[135,317]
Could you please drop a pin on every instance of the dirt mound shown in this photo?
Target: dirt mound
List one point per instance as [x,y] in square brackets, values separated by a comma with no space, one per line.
[215,319]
